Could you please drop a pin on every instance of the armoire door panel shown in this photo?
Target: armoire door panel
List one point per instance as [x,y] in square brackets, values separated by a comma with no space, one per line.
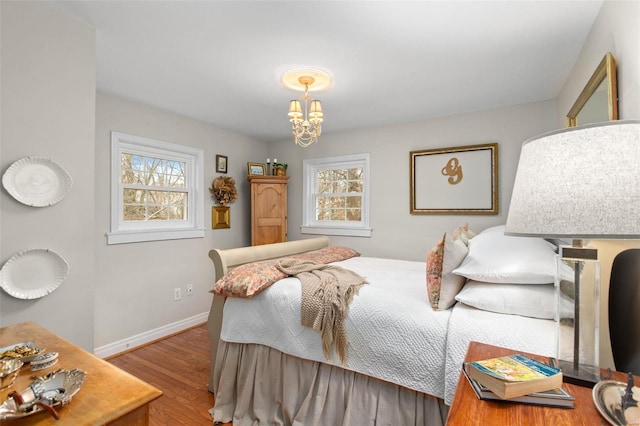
[268,209]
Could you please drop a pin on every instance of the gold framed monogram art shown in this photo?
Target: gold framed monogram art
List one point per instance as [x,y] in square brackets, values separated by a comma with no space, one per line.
[457,180]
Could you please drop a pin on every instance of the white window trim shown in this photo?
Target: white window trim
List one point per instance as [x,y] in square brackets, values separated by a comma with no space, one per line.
[309,224]
[121,232]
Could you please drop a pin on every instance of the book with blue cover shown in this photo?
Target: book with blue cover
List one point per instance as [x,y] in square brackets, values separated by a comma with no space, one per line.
[558,397]
[515,375]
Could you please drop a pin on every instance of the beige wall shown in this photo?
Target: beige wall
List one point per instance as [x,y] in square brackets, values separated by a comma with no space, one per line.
[397,233]
[615,30]
[47,110]
[134,282]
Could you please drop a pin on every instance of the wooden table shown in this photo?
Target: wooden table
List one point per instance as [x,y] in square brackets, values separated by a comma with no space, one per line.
[108,396]
[466,409]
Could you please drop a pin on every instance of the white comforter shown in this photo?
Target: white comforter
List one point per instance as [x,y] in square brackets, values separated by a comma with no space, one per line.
[393,333]
[509,331]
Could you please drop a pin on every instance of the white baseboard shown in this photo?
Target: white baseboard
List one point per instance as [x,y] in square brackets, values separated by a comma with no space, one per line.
[149,336]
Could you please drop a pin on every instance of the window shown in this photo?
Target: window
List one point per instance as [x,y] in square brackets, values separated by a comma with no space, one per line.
[336,194]
[156,190]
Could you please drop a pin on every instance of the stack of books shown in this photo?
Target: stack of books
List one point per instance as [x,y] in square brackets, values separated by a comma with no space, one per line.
[517,378]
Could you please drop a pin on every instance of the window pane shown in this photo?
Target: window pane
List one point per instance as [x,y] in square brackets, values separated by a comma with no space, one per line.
[157,197]
[178,198]
[155,212]
[355,174]
[322,202]
[137,162]
[177,213]
[149,204]
[339,181]
[354,214]
[337,202]
[150,171]
[133,213]
[354,202]
[339,174]
[131,196]
[338,214]
[144,205]
[178,208]
[355,186]
[323,214]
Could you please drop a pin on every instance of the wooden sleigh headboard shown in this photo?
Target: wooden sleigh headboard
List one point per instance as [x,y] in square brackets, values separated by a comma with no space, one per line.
[225,260]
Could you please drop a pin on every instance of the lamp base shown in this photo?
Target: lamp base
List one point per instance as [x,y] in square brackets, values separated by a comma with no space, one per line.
[585,376]
[578,315]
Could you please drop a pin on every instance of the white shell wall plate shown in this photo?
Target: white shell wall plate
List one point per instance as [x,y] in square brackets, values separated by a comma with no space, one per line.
[37,181]
[31,274]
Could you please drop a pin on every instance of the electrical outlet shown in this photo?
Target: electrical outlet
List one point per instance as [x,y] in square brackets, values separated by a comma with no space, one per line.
[189,289]
[177,294]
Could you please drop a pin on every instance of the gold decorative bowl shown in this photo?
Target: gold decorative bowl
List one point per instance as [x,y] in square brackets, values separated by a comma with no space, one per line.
[9,369]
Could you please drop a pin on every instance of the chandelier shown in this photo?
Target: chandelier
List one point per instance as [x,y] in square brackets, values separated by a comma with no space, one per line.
[306,115]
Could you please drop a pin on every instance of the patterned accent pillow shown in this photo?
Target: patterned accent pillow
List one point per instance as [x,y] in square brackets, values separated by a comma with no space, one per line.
[442,285]
[328,254]
[463,233]
[248,280]
[252,278]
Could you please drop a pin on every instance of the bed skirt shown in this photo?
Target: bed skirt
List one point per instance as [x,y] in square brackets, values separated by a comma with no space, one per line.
[258,385]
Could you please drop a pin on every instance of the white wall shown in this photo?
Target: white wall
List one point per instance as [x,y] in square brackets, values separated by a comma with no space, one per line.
[616,30]
[48,98]
[397,233]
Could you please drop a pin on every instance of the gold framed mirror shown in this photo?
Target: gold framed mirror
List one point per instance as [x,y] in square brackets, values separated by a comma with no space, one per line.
[598,101]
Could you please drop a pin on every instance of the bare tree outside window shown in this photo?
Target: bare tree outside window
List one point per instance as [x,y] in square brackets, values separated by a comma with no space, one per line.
[157,190]
[154,189]
[336,193]
[339,195]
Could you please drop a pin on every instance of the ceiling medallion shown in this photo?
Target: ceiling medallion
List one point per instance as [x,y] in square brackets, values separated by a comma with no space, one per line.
[306,116]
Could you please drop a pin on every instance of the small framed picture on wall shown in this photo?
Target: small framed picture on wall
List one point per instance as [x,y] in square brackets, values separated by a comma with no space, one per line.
[221,163]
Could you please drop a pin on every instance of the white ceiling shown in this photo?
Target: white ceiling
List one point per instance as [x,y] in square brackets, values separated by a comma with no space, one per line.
[391,61]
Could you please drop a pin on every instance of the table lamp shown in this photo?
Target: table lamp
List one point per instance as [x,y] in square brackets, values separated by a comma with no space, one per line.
[578,184]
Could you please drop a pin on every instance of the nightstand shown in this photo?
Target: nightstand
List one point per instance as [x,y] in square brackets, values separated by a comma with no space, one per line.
[466,409]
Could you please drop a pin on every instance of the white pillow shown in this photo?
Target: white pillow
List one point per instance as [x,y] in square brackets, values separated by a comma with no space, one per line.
[498,258]
[527,300]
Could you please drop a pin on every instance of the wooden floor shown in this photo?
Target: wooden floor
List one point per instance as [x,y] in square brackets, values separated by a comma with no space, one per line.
[179,367]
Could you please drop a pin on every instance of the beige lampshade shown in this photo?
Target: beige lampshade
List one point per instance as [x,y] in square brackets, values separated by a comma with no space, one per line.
[316,110]
[295,109]
[580,183]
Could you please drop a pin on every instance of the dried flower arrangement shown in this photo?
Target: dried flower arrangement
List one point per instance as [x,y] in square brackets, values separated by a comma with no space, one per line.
[223,189]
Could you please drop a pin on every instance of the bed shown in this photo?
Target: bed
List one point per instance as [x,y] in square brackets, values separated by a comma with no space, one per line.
[405,347]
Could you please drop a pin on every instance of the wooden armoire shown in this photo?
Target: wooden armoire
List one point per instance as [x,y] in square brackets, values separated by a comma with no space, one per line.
[268,209]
